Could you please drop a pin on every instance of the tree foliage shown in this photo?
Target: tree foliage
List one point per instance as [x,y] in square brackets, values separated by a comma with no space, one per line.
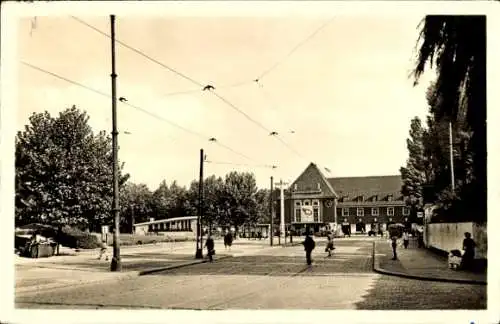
[136,204]
[456,45]
[63,171]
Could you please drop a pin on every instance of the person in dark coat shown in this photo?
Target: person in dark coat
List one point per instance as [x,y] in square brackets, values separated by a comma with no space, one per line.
[394,244]
[209,244]
[469,251]
[309,246]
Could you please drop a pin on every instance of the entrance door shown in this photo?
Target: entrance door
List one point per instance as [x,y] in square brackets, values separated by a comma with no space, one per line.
[360,227]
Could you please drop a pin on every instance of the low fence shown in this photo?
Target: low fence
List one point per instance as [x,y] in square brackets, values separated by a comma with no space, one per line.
[450,236]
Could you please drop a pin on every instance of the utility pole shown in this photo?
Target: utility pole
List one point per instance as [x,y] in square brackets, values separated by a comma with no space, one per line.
[271,213]
[199,235]
[451,159]
[116,264]
[282,185]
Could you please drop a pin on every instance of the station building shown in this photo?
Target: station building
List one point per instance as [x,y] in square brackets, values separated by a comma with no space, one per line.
[350,204]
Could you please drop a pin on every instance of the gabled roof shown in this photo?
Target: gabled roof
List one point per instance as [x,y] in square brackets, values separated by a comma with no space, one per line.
[323,178]
[367,186]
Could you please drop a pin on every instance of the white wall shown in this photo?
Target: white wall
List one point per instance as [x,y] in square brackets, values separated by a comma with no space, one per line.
[449,236]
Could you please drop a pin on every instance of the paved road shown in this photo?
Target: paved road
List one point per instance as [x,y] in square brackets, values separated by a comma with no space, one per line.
[273,279]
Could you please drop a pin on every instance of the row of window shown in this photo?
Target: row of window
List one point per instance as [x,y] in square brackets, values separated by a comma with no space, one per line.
[307,202]
[375,211]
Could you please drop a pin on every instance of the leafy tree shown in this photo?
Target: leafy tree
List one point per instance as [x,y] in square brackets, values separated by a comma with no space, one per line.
[457,46]
[239,201]
[169,201]
[262,206]
[136,204]
[63,171]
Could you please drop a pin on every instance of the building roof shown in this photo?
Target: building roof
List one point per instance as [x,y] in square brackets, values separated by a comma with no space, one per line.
[368,186]
[166,220]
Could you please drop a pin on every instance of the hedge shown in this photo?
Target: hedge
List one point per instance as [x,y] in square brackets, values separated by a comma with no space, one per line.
[76,239]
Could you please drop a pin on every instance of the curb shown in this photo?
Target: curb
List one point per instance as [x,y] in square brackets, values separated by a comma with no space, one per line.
[378,269]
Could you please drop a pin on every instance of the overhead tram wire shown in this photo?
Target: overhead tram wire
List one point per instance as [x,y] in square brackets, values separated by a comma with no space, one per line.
[135,107]
[189,79]
[139,52]
[242,164]
[293,50]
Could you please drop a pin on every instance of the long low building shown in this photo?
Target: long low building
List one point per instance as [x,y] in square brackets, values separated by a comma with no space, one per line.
[176,224]
[352,204]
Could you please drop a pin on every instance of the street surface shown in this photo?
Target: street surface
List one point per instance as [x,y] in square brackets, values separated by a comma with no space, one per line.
[273,278]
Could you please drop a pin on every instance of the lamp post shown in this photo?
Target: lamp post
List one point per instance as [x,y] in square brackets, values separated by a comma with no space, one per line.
[199,234]
[115,261]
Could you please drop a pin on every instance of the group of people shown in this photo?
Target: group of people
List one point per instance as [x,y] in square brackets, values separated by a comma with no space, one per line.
[309,246]
[210,245]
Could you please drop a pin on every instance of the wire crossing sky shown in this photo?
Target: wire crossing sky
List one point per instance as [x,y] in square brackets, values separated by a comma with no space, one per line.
[338,95]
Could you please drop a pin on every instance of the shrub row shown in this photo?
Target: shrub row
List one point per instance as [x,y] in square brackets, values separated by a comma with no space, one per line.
[76,239]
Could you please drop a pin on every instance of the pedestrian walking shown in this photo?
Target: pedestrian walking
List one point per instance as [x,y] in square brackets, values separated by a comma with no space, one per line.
[329,245]
[309,246]
[394,244]
[103,251]
[406,239]
[228,240]
[469,251]
[209,244]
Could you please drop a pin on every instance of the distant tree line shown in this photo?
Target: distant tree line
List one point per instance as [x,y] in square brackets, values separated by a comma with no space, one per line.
[64,177]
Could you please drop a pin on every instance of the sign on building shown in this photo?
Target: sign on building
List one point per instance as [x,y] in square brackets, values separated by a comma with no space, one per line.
[420,214]
[306,214]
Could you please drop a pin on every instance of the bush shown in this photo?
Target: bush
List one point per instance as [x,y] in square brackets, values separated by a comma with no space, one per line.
[76,239]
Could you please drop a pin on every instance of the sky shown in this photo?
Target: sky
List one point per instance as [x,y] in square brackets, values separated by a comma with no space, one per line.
[343,99]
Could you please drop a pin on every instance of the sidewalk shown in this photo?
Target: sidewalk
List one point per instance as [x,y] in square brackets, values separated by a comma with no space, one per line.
[419,263]
[77,268]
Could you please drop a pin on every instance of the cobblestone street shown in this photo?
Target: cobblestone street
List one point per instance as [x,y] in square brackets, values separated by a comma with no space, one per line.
[276,278]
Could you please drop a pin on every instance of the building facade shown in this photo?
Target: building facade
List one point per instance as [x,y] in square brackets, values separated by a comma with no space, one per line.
[350,204]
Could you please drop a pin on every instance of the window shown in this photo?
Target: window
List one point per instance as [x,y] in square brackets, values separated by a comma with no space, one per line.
[375,211]
[295,187]
[389,198]
[319,186]
[390,211]
[345,211]
[361,198]
[406,211]
[360,212]
[316,214]
[297,215]
[297,203]
[307,203]
[345,198]
[375,198]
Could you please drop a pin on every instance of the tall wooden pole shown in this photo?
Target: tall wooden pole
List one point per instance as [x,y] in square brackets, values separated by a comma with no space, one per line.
[115,261]
[271,213]
[199,229]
